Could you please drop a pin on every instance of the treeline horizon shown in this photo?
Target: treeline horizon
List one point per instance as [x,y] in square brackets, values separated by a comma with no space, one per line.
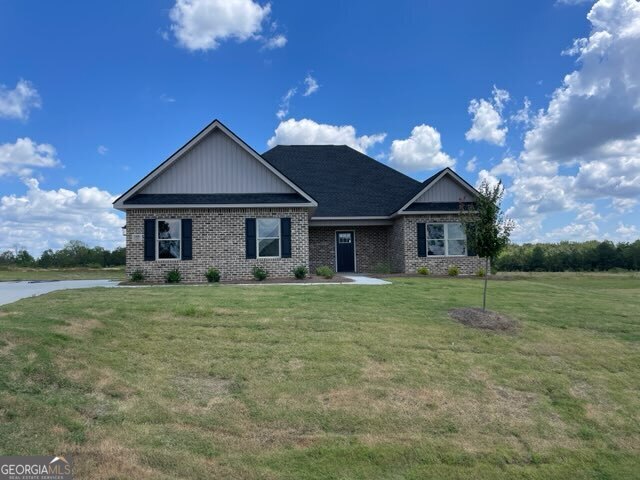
[74,254]
[563,256]
[589,256]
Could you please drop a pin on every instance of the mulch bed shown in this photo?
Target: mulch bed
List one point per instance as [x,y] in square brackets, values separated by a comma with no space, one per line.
[488,320]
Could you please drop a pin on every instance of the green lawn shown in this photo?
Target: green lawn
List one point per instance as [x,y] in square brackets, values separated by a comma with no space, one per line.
[18,274]
[328,382]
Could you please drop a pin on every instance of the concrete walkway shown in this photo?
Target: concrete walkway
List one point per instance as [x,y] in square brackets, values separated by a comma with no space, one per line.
[363,280]
[13,291]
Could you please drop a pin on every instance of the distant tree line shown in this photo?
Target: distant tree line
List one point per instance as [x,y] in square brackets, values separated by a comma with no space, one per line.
[74,254]
[569,256]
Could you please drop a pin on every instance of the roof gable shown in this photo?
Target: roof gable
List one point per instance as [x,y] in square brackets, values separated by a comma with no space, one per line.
[217,164]
[445,187]
[214,162]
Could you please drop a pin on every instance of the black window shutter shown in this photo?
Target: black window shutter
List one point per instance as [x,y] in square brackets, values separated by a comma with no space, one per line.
[285,237]
[422,240]
[250,237]
[187,242]
[149,239]
[470,251]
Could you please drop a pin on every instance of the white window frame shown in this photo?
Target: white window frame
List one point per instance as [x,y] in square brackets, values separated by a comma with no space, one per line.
[446,239]
[158,239]
[258,237]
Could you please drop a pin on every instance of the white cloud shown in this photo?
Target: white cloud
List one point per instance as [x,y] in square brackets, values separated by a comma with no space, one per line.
[21,157]
[471,165]
[500,97]
[487,123]
[587,213]
[617,177]
[488,177]
[508,166]
[102,150]
[203,24]
[591,126]
[308,132]
[597,109]
[627,232]
[42,219]
[572,2]
[524,115]
[574,231]
[283,110]
[624,205]
[19,102]
[539,195]
[421,151]
[311,85]
[277,41]
[167,98]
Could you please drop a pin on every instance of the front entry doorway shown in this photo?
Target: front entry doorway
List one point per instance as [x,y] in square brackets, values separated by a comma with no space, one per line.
[345,251]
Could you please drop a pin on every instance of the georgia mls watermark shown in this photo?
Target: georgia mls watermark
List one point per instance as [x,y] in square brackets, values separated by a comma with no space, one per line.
[36,468]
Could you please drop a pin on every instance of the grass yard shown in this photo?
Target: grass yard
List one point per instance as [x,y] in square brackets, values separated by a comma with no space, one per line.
[328,382]
[19,274]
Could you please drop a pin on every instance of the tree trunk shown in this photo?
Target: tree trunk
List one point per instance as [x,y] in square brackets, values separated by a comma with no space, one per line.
[486,279]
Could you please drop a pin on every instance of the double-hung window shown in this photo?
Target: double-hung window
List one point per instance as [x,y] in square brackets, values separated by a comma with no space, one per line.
[446,239]
[268,237]
[168,237]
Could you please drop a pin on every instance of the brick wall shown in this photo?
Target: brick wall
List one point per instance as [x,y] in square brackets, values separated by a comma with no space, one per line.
[396,244]
[218,241]
[372,247]
[436,265]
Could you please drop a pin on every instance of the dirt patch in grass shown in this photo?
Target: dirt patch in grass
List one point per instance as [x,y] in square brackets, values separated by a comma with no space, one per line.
[487,320]
[6,346]
[80,327]
[108,459]
[202,389]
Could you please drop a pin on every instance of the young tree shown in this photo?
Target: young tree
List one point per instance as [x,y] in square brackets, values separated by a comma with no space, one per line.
[486,227]
[24,259]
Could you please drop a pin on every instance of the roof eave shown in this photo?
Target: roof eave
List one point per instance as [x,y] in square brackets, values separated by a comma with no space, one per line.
[124,207]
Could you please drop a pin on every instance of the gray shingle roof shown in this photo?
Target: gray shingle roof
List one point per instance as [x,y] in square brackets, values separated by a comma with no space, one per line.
[343,181]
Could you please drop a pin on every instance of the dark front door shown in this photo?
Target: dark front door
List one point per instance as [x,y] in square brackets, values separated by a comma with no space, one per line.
[345,252]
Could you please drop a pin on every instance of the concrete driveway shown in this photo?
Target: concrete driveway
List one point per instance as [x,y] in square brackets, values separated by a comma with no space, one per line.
[13,291]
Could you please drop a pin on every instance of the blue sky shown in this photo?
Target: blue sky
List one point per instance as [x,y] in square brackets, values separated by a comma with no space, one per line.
[95,95]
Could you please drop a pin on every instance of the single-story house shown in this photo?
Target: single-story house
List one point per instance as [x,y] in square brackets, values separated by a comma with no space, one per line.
[217,203]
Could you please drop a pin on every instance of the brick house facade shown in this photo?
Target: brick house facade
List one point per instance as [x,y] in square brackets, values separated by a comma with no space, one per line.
[218,241]
[217,203]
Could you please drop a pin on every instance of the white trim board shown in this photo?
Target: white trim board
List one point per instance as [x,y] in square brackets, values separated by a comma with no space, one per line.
[217,205]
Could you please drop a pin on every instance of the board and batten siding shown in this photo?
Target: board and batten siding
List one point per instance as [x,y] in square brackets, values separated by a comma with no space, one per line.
[217,164]
[444,190]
